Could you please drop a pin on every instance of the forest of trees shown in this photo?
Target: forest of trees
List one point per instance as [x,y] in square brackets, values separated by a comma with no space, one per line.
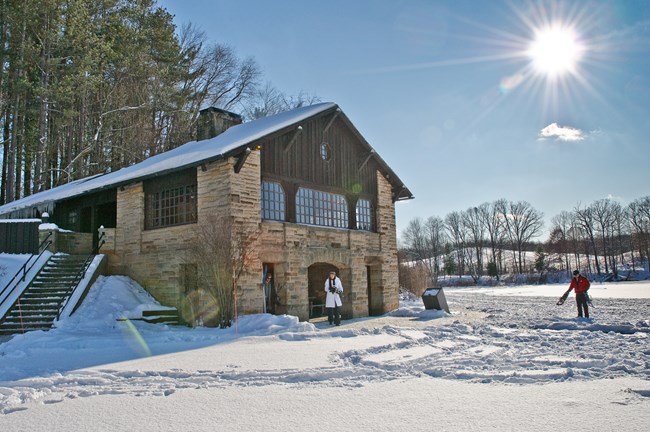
[479,241]
[90,86]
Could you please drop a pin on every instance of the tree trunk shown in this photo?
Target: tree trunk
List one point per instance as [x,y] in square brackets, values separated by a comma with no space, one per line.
[5,159]
[42,136]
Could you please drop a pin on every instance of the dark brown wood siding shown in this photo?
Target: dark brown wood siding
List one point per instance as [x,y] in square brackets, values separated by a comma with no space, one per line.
[303,163]
[90,211]
[19,237]
[296,161]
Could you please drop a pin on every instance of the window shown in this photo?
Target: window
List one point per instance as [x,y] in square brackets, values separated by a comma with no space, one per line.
[364,215]
[170,207]
[73,218]
[272,201]
[321,208]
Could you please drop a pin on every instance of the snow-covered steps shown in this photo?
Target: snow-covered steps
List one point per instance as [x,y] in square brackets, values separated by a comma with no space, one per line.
[39,305]
[164,315]
[161,316]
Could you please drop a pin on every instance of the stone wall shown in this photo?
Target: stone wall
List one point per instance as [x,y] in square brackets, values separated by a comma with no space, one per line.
[245,210]
[387,229]
[108,238]
[73,243]
[155,258]
[293,248]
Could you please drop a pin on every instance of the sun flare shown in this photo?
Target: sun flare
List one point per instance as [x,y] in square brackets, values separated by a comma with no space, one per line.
[555,51]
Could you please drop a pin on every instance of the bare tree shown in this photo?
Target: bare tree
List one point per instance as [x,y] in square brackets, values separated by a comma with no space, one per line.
[638,214]
[268,100]
[457,235]
[475,229]
[620,232]
[417,245]
[586,220]
[603,216]
[222,251]
[562,234]
[495,229]
[522,223]
[412,276]
[434,229]
[216,77]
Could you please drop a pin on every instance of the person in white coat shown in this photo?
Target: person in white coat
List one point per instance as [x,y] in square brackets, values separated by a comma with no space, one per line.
[333,303]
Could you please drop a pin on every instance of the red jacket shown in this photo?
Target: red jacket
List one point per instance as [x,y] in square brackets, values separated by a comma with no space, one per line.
[580,285]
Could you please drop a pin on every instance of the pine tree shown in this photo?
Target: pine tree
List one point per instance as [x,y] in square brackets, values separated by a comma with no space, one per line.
[88,86]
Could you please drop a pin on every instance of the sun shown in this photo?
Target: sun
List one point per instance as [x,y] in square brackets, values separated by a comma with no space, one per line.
[555,51]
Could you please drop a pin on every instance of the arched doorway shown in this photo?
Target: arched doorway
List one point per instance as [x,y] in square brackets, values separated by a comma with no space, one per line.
[317,275]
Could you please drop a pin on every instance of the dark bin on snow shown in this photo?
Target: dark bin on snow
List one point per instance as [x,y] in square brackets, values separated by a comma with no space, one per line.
[434,298]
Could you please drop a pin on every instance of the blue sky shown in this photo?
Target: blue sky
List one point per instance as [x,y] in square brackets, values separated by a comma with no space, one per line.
[449,95]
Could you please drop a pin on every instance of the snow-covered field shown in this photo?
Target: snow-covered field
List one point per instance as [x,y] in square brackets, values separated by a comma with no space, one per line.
[504,359]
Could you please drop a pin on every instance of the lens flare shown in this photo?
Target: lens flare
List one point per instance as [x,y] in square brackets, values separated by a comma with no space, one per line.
[134,339]
[200,308]
[509,83]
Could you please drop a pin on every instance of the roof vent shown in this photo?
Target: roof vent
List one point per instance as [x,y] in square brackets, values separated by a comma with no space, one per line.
[214,121]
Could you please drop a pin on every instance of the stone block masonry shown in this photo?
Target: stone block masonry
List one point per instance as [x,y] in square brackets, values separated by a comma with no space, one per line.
[155,257]
[73,243]
[387,230]
[360,257]
[367,261]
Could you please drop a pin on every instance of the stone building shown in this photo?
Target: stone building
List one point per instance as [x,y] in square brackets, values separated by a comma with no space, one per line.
[308,188]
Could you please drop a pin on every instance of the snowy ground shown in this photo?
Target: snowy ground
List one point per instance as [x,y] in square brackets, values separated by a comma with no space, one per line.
[504,359]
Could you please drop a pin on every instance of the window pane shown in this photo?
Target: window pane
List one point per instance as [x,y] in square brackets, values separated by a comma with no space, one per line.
[364,215]
[171,207]
[321,208]
[272,201]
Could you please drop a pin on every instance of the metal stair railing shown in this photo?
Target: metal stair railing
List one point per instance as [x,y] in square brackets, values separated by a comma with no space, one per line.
[24,270]
[79,277]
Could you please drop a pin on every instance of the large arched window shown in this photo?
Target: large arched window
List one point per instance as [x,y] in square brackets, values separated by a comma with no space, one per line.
[321,208]
[272,201]
[364,215]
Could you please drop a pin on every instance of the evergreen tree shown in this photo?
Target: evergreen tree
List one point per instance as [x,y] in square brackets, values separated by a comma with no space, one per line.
[88,86]
[540,259]
[450,265]
[492,270]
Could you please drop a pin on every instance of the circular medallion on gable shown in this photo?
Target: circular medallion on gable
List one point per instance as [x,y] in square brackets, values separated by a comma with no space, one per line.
[325,151]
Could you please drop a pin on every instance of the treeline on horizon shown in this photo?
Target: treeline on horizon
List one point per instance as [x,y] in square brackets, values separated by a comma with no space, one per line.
[90,86]
[484,240]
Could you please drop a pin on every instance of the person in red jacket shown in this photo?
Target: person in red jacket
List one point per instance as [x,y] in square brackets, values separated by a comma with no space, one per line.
[580,284]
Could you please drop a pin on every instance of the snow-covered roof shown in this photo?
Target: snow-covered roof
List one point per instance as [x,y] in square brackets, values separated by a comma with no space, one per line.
[20,220]
[189,154]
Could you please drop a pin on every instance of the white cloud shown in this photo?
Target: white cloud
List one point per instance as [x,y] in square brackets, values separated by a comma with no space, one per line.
[616,198]
[562,133]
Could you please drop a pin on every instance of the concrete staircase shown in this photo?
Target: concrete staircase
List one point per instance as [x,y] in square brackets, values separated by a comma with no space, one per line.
[39,305]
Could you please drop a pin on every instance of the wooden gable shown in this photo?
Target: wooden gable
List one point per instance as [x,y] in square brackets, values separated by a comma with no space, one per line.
[325,153]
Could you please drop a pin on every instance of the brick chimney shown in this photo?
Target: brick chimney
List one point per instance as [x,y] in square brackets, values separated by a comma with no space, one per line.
[213,121]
